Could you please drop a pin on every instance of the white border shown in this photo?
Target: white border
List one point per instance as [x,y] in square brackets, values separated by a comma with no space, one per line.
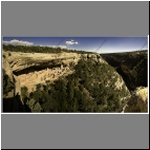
[0,84]
[77,0]
[92,112]
[72,113]
[77,113]
[148,75]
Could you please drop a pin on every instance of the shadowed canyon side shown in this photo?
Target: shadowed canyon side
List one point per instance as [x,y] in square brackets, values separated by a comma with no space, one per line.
[12,98]
[132,66]
[66,82]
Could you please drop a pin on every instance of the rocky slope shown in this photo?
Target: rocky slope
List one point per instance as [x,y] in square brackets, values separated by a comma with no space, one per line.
[132,66]
[36,68]
[102,89]
[12,79]
[12,99]
[138,101]
[29,62]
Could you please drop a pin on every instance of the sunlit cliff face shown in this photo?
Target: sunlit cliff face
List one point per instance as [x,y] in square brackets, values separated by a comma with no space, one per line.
[31,69]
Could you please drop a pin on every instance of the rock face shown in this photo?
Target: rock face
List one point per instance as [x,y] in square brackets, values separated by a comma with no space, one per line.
[35,68]
[142,93]
[37,61]
[31,69]
[12,99]
[7,71]
[132,66]
[13,79]
[138,101]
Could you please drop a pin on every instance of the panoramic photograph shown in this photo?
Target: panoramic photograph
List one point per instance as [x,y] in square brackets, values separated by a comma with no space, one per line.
[75,74]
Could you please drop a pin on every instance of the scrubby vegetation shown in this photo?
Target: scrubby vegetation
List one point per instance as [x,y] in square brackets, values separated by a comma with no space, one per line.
[132,66]
[83,91]
[136,104]
[39,49]
[91,88]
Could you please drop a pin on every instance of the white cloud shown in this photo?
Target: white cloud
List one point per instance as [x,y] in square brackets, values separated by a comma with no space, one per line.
[72,42]
[17,42]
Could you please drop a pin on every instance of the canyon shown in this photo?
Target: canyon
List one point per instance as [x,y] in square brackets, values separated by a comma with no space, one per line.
[31,69]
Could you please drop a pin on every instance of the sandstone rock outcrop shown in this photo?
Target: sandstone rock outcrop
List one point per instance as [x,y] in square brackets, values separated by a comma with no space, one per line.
[39,68]
[13,79]
[35,68]
[12,98]
[138,101]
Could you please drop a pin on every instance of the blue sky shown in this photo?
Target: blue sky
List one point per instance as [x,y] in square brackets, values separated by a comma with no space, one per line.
[95,44]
